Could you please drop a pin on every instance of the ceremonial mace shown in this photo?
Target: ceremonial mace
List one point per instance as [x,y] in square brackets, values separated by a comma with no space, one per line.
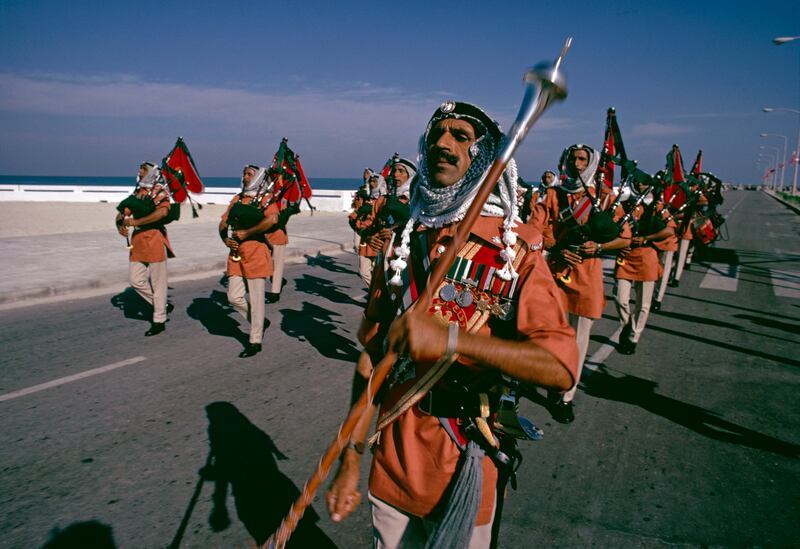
[544,84]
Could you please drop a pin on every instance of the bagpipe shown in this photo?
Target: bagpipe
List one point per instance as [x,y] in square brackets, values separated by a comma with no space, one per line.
[395,212]
[600,227]
[243,216]
[706,226]
[291,184]
[180,174]
[140,206]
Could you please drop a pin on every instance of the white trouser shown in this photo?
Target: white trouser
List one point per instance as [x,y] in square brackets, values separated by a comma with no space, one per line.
[150,281]
[662,285]
[394,529]
[683,250]
[254,287]
[644,294]
[278,254]
[583,327]
[365,265]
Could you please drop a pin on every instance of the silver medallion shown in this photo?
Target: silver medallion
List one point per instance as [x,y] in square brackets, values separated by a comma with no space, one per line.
[448,106]
[464,299]
[448,292]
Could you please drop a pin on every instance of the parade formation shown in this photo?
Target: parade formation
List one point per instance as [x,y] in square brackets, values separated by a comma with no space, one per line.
[477,284]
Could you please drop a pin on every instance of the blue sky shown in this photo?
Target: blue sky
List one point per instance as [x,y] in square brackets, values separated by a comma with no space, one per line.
[93,88]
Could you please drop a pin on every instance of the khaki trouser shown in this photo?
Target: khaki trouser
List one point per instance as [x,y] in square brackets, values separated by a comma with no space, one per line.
[365,265]
[254,287]
[644,295]
[662,285]
[394,529]
[583,327]
[683,251]
[278,254]
[150,281]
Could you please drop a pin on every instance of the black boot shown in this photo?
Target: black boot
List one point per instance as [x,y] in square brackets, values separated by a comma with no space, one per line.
[155,329]
[273,297]
[656,306]
[563,412]
[250,349]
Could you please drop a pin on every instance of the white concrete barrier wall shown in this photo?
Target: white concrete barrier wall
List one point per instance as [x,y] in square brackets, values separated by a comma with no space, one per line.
[323,200]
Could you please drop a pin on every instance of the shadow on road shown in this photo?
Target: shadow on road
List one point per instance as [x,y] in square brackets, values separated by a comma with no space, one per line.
[90,534]
[317,326]
[132,305]
[328,263]
[243,457]
[642,392]
[324,288]
[771,324]
[722,324]
[213,313]
[728,305]
[728,346]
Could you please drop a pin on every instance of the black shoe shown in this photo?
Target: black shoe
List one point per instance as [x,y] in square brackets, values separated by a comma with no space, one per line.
[625,334]
[656,306]
[673,283]
[170,308]
[273,298]
[563,412]
[250,350]
[626,347]
[155,329]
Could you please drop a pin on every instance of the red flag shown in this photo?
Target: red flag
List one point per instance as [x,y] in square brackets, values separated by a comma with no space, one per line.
[697,168]
[674,194]
[291,184]
[609,150]
[180,172]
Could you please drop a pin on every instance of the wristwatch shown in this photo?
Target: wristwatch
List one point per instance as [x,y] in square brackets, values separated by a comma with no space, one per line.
[599,249]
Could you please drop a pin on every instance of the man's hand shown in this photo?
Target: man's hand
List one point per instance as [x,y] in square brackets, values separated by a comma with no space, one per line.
[377,240]
[419,336]
[571,257]
[241,234]
[129,222]
[232,244]
[589,249]
[343,496]
[122,229]
[638,242]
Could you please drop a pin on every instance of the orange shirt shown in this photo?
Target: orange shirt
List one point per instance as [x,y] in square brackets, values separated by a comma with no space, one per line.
[256,261]
[584,294]
[641,263]
[151,245]
[415,459]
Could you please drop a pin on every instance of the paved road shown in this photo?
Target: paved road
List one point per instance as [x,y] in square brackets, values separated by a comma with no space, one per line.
[691,442]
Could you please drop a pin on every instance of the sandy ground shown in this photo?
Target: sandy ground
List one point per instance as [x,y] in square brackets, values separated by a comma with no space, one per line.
[45,218]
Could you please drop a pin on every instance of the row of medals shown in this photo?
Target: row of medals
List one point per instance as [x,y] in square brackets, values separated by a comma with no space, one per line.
[470,294]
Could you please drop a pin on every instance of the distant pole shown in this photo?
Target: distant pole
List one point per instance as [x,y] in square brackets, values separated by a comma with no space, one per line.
[797,149]
[785,147]
[777,158]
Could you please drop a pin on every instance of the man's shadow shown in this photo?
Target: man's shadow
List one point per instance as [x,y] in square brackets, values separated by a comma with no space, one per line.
[317,326]
[214,314]
[324,288]
[642,392]
[328,263]
[132,305]
[89,534]
[243,456]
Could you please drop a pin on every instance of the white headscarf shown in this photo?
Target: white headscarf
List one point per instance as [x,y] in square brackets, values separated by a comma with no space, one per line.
[380,190]
[434,206]
[572,184]
[411,170]
[251,189]
[150,178]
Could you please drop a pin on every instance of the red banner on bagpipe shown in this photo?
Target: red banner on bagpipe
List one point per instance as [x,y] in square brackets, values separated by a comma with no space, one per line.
[675,193]
[181,175]
[291,183]
[697,168]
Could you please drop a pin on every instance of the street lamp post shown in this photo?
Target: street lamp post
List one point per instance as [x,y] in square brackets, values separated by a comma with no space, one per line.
[796,158]
[785,146]
[770,160]
[776,158]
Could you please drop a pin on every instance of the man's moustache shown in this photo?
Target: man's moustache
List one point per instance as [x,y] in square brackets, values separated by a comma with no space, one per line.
[449,158]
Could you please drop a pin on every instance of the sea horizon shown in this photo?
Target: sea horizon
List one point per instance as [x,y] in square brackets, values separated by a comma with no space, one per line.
[326,183]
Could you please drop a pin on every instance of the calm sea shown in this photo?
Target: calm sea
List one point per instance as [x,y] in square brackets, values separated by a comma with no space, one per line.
[324,183]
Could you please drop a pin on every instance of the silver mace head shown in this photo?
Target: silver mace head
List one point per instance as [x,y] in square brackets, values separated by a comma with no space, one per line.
[544,84]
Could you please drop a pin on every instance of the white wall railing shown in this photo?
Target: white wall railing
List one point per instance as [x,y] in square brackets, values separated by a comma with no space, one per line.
[323,200]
